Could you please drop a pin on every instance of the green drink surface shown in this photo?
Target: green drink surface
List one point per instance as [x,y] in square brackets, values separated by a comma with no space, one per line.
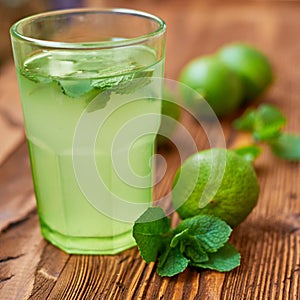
[57,89]
[83,64]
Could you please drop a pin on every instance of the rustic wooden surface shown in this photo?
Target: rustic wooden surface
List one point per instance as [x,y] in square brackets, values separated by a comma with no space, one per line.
[269,240]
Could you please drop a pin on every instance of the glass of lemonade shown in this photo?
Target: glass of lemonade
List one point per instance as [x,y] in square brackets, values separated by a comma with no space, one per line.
[90,82]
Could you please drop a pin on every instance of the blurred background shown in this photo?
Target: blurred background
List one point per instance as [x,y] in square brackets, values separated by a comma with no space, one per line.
[210,24]
[195,28]
[13,10]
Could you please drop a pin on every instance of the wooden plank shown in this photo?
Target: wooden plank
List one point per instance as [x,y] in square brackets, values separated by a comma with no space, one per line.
[16,190]
[25,257]
[51,264]
[269,240]
[11,120]
[21,241]
[20,250]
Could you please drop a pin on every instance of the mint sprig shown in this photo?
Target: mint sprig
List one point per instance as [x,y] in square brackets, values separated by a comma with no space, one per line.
[266,124]
[200,241]
[132,79]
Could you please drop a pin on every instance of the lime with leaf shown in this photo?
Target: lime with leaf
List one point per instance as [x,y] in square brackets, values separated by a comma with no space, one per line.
[201,242]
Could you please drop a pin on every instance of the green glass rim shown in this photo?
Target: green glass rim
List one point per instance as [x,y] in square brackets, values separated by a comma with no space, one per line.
[89,45]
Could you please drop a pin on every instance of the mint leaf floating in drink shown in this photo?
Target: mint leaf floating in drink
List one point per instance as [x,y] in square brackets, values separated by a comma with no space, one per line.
[75,88]
[124,84]
[99,102]
[35,77]
[198,241]
[133,82]
[95,74]
[119,84]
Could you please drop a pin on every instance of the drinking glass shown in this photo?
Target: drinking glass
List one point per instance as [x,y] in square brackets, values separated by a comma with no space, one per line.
[90,82]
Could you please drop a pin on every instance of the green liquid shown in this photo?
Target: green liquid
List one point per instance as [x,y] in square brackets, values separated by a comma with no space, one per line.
[56,89]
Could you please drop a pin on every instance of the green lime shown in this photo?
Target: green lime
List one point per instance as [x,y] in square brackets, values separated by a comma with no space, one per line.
[233,186]
[170,112]
[251,65]
[219,86]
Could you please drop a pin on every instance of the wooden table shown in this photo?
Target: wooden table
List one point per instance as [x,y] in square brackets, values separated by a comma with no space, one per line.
[269,240]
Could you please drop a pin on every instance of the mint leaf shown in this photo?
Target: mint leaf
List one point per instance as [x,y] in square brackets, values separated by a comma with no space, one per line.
[247,121]
[137,81]
[35,77]
[70,87]
[264,123]
[179,237]
[269,115]
[286,146]
[107,83]
[75,88]
[189,246]
[211,232]
[249,153]
[150,232]
[171,262]
[225,259]
[99,101]
[193,250]
[124,84]
[266,134]
[124,79]
[121,84]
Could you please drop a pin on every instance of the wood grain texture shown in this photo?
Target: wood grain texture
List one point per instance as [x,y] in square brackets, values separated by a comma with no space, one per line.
[269,240]
[11,120]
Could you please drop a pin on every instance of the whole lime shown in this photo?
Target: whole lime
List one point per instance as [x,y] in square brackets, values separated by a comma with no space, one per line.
[218,84]
[251,65]
[224,180]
